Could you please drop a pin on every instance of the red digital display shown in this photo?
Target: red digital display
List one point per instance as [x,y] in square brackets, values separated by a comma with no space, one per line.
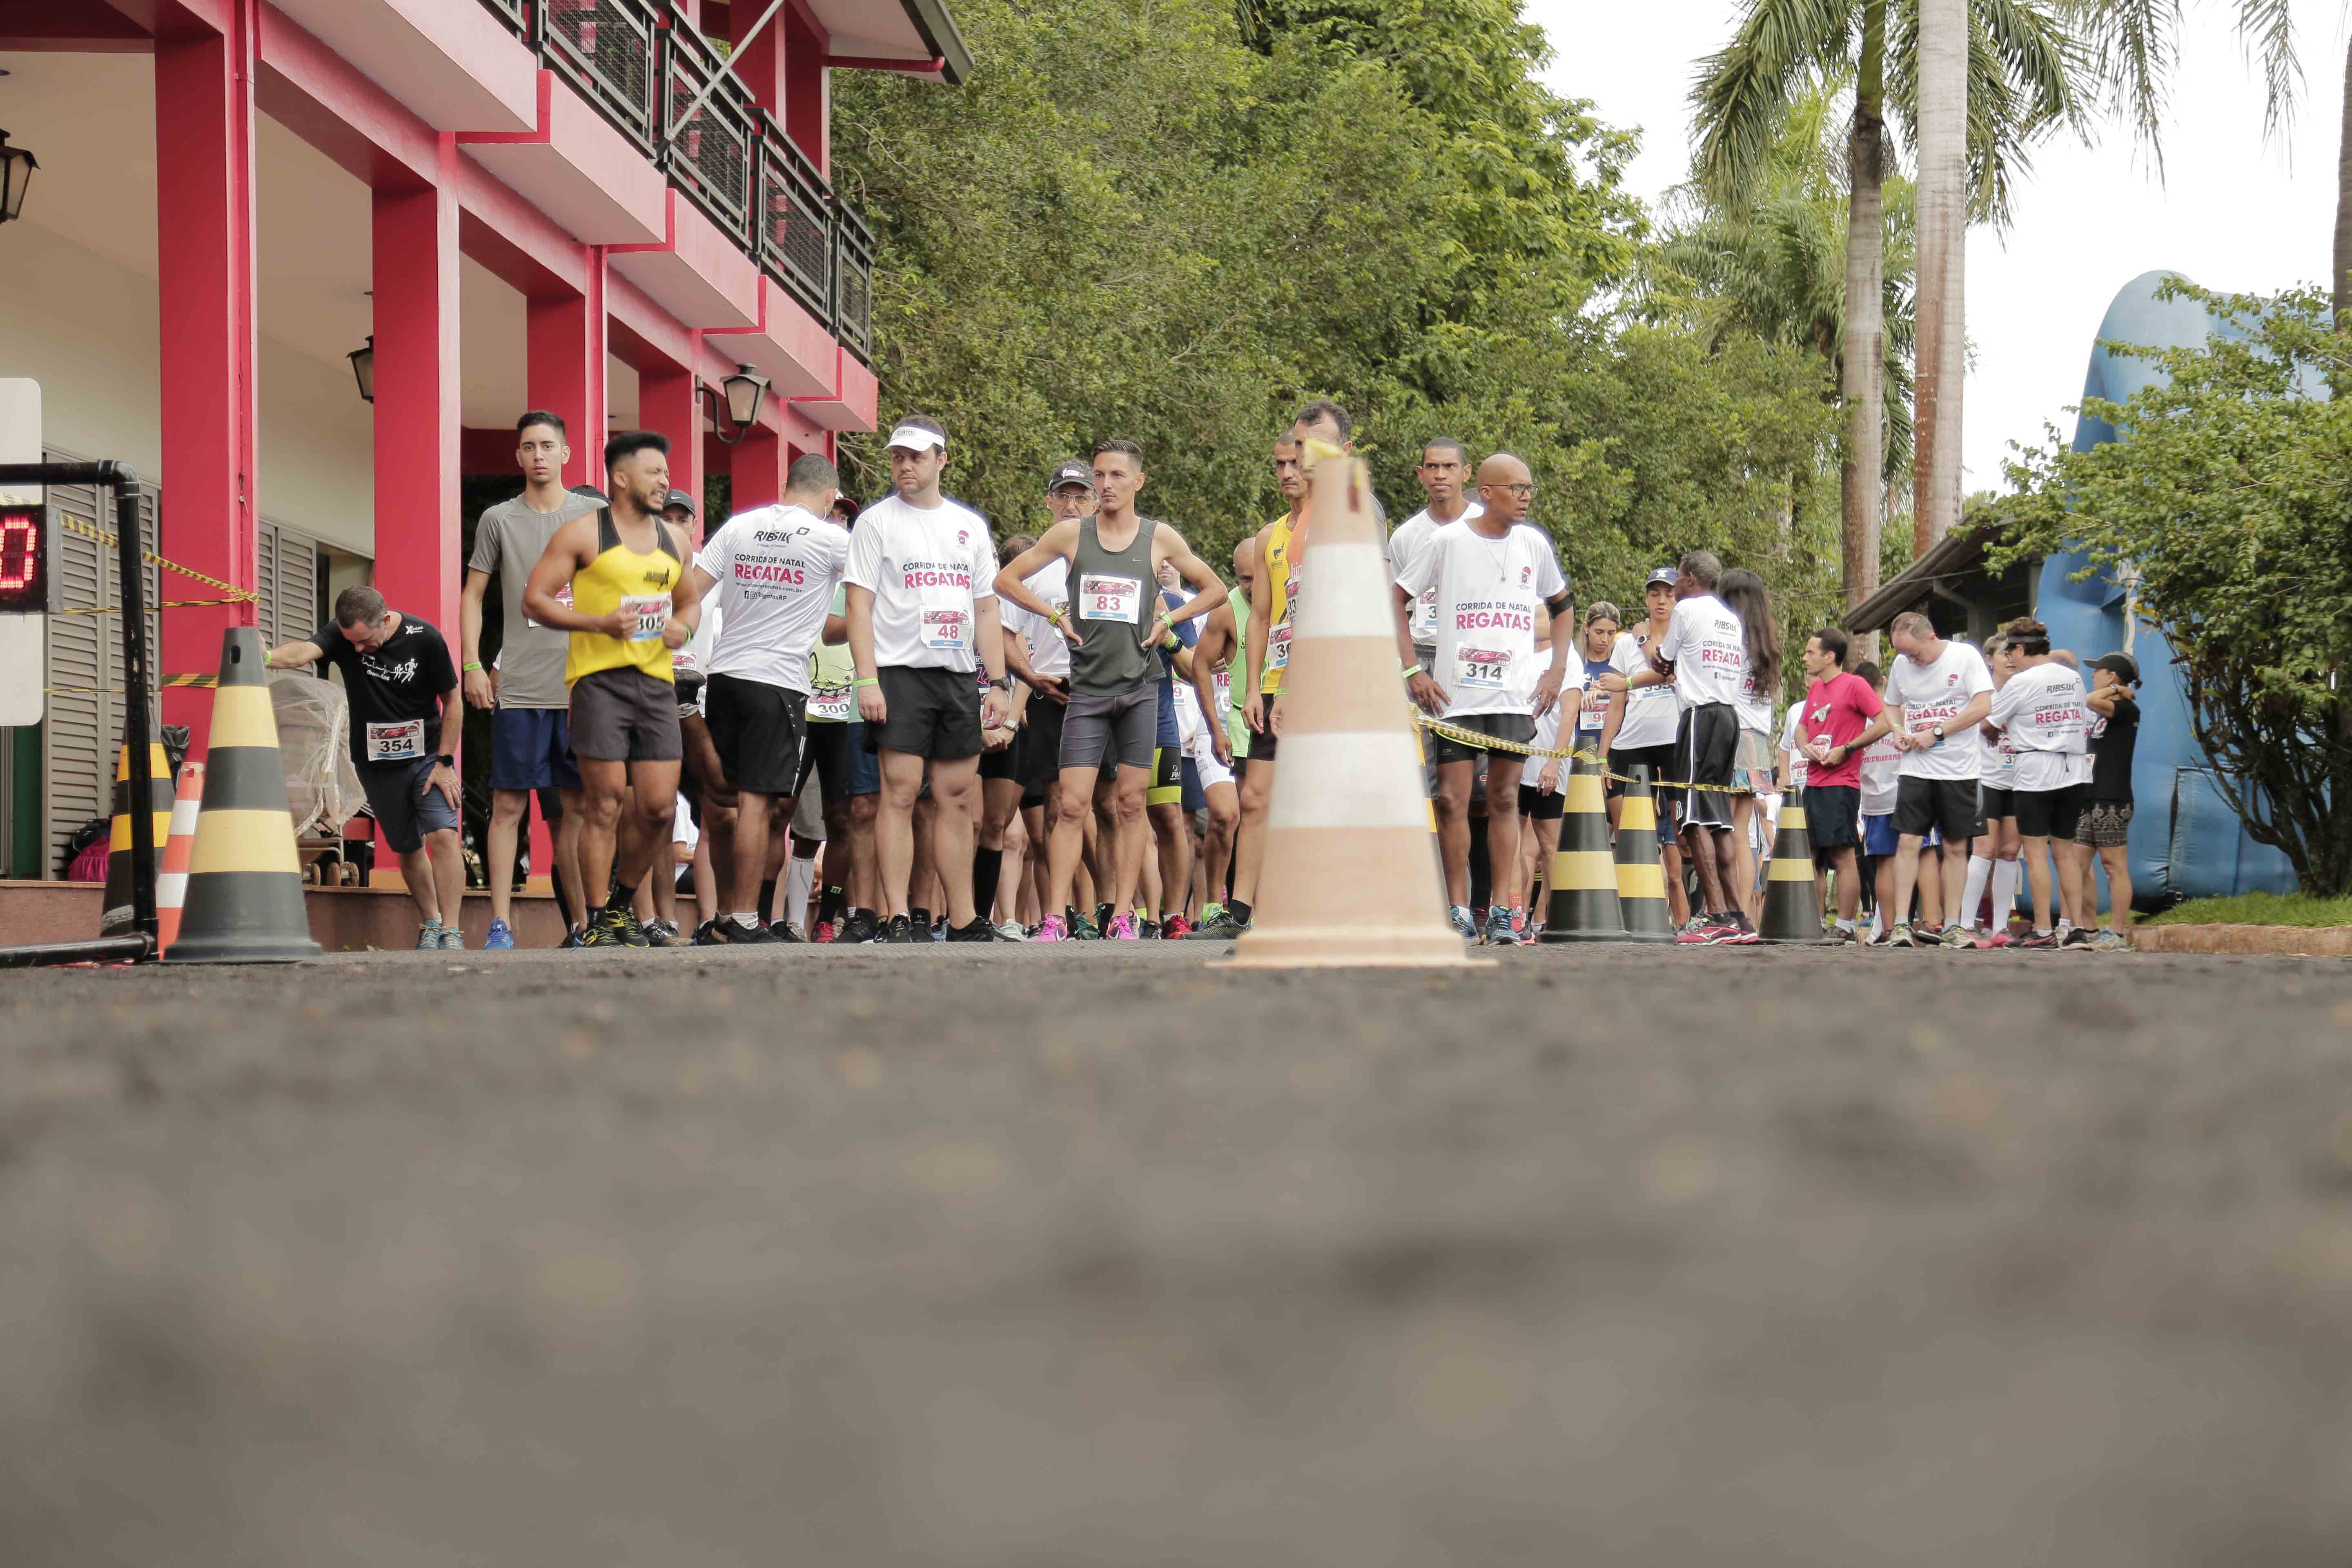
[24,560]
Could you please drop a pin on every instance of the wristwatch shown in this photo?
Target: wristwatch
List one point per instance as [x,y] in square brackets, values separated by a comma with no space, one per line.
[445,759]
[1002,683]
[1939,733]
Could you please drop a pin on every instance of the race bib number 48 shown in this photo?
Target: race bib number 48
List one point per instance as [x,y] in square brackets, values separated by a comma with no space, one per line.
[1103,597]
[398,742]
[944,628]
[652,612]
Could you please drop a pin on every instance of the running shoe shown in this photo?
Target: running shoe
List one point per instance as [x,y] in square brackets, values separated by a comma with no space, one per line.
[632,933]
[921,921]
[2000,939]
[901,929]
[1149,931]
[428,937]
[1123,927]
[1210,912]
[1052,929]
[1177,929]
[860,926]
[1929,936]
[1500,930]
[2040,942]
[783,931]
[1958,936]
[500,939]
[1741,933]
[1464,927]
[1083,929]
[1102,917]
[978,930]
[938,931]
[2110,941]
[824,931]
[1220,927]
[1012,931]
[1842,935]
[707,933]
[604,930]
[2079,937]
[735,932]
[1901,936]
[452,940]
[1693,931]
[575,936]
[1519,924]
[662,934]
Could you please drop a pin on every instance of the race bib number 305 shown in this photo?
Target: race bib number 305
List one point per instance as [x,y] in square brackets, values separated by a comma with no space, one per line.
[398,742]
[1103,597]
[944,628]
[652,612]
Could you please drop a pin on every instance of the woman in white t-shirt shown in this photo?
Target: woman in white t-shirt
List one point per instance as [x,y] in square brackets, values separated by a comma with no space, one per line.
[1992,858]
[1753,763]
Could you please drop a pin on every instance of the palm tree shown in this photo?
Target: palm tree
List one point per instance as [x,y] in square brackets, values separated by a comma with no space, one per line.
[2021,69]
[1943,121]
[2135,43]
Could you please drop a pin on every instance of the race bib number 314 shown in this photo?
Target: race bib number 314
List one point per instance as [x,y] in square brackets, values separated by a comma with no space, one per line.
[1487,668]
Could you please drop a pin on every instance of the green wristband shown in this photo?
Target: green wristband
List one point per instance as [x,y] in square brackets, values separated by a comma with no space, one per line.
[868,680]
[471,668]
[1411,670]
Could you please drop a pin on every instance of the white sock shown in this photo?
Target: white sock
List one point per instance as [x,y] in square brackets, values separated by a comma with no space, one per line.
[747,917]
[1979,873]
[2004,892]
[800,876]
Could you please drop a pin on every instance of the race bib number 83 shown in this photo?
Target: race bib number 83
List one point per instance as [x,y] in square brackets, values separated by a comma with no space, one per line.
[1103,597]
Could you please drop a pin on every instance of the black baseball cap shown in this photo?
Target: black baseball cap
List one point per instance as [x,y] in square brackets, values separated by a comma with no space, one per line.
[1666,574]
[679,498]
[1070,473]
[2123,664]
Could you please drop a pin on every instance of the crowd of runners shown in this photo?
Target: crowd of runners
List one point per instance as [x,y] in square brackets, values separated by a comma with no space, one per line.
[835,722]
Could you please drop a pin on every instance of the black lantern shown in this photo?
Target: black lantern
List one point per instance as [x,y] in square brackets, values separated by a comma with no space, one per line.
[17,166]
[744,391]
[363,368]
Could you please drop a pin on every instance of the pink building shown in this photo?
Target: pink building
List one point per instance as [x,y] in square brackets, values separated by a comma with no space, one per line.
[520,202]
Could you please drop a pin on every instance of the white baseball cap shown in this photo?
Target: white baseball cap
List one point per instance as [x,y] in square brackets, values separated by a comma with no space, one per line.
[915,439]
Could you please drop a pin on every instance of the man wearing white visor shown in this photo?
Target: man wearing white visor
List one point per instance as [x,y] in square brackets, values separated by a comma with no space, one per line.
[922,619]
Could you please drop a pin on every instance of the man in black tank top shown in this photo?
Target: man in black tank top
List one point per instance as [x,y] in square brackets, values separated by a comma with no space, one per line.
[1113,624]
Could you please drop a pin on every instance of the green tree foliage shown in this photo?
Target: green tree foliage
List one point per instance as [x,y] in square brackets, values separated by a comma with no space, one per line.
[1139,221]
[2229,500]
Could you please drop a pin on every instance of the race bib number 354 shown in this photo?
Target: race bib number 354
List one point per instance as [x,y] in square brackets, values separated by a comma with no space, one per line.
[396,742]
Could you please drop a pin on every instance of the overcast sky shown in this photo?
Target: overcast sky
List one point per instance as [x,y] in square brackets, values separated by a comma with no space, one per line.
[2232,212]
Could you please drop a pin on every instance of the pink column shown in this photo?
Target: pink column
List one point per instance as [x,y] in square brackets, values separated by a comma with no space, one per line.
[204,207]
[568,343]
[759,460]
[665,402]
[416,416]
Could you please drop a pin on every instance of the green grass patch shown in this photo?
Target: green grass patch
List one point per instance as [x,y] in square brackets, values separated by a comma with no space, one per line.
[2259,910]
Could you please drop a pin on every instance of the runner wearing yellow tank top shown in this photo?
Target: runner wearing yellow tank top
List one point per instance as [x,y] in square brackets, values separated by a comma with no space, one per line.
[631,603]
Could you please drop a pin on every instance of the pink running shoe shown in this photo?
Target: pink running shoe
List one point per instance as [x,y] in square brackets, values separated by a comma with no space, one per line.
[1052,931]
[1123,927]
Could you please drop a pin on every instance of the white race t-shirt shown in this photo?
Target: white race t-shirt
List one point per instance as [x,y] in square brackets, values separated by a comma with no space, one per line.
[927,570]
[1791,739]
[1048,650]
[1934,694]
[1547,731]
[1999,764]
[772,572]
[2042,713]
[1709,652]
[1882,768]
[1755,707]
[1404,544]
[1488,592]
[1651,712]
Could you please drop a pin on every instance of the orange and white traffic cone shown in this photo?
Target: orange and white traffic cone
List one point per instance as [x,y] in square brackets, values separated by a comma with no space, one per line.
[1347,877]
[172,881]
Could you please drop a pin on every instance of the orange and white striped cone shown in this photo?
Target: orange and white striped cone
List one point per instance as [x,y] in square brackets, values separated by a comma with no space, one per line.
[1347,879]
[172,881]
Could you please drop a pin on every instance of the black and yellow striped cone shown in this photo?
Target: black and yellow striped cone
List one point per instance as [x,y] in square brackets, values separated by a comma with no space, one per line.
[1640,870]
[1793,903]
[118,913]
[245,884]
[1582,905]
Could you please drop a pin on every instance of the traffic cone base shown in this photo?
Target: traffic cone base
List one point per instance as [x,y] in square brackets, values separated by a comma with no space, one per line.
[1640,870]
[244,902]
[1346,880]
[172,881]
[1792,904]
[1582,878]
[118,911]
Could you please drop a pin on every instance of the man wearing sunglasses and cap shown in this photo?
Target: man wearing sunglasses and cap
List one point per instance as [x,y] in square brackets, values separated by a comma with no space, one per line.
[922,619]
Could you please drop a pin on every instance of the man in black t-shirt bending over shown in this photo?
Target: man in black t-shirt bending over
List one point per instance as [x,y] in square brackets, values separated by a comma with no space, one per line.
[404,722]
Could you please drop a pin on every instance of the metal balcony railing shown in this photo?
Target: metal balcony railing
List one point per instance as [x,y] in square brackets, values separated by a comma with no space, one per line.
[712,146]
[642,64]
[796,221]
[605,49]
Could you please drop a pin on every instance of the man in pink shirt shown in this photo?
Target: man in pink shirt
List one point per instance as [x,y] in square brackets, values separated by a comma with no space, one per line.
[1839,710]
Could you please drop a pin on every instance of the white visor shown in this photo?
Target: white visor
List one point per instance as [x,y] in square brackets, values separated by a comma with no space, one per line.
[915,439]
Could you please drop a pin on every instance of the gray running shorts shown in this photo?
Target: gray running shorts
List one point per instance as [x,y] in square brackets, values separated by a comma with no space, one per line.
[1123,725]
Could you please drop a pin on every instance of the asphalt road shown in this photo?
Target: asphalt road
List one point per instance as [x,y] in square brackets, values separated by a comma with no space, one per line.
[1098,1256]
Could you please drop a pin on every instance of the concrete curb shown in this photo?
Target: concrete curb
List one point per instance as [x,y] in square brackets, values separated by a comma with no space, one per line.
[2306,941]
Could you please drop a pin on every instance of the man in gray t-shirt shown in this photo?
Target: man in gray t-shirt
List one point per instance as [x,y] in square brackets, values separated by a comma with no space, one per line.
[530,739]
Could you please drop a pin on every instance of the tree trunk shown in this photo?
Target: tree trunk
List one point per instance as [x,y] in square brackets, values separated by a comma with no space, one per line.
[1942,321]
[2340,286]
[1863,375]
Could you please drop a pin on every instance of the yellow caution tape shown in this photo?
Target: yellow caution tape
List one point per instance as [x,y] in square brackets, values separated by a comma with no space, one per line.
[73,524]
[166,604]
[116,692]
[1489,743]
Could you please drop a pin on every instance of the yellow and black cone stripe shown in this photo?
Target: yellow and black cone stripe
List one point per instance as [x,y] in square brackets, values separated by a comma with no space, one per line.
[1793,903]
[118,913]
[1640,869]
[245,882]
[1583,877]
